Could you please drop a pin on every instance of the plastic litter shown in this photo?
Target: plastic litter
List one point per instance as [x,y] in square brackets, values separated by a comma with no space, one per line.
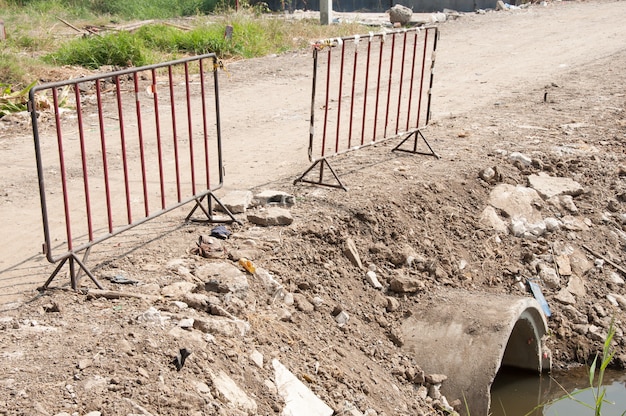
[536,290]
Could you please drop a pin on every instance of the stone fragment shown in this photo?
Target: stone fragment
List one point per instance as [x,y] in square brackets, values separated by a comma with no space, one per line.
[302,304]
[490,218]
[352,253]
[620,300]
[436,378]
[576,286]
[579,262]
[230,393]
[223,277]
[616,279]
[563,265]
[350,409]
[552,224]
[520,157]
[400,14]
[271,216]
[257,358]
[371,278]
[197,301]
[299,400]
[237,202]
[516,202]
[186,323]
[178,289]
[551,186]
[393,304]
[342,318]
[215,325]
[406,284]
[270,197]
[564,296]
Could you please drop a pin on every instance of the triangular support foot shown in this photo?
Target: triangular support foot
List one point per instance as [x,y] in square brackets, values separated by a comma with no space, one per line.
[416,135]
[320,180]
[74,261]
[208,211]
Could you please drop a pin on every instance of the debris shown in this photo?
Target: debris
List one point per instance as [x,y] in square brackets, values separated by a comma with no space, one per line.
[220,232]
[179,360]
[121,280]
[299,400]
[248,265]
[536,290]
[400,14]
[618,267]
[351,252]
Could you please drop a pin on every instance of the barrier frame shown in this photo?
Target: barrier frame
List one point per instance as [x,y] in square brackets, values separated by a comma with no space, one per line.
[414,133]
[204,200]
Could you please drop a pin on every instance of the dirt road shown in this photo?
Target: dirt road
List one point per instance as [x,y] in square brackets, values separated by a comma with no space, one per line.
[481,60]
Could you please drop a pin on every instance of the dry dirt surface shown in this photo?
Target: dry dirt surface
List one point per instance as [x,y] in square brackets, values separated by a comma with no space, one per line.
[546,81]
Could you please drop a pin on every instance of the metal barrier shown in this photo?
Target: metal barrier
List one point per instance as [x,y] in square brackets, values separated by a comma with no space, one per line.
[119,149]
[375,88]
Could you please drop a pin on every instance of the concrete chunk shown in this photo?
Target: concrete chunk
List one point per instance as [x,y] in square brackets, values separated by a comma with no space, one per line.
[299,400]
[550,186]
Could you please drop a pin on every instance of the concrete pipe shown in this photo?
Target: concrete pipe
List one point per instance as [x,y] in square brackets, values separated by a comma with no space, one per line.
[469,336]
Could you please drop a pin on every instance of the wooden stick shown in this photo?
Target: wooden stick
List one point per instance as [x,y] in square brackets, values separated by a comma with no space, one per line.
[618,267]
[70,25]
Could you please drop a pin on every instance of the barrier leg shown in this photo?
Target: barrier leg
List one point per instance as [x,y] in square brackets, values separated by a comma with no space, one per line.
[321,163]
[208,210]
[74,274]
[416,135]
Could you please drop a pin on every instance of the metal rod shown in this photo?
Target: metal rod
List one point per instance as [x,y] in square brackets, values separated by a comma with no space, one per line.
[204,126]
[105,162]
[218,124]
[401,83]
[190,129]
[83,158]
[142,156]
[312,116]
[380,65]
[393,48]
[120,115]
[419,103]
[66,203]
[174,132]
[408,111]
[339,98]
[326,103]
[367,75]
[354,68]
[157,122]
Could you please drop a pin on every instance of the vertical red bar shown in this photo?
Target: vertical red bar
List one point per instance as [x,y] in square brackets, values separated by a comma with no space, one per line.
[155,95]
[401,81]
[408,111]
[343,50]
[204,126]
[367,76]
[354,68]
[83,158]
[120,116]
[419,103]
[174,132]
[142,156]
[105,162]
[190,128]
[380,65]
[393,48]
[66,203]
[326,101]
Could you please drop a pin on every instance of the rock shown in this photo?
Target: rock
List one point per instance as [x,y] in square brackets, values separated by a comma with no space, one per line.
[393,304]
[351,252]
[564,296]
[517,156]
[552,224]
[400,14]
[371,278]
[230,393]
[237,202]
[299,400]
[567,203]
[395,336]
[576,286]
[490,218]
[231,328]
[302,304]
[490,175]
[563,265]
[406,284]
[186,323]
[436,378]
[616,279]
[516,202]
[271,216]
[350,409]
[223,277]
[619,300]
[177,290]
[596,333]
[579,262]
[551,186]
[342,318]
[197,301]
[549,277]
[270,197]
[257,358]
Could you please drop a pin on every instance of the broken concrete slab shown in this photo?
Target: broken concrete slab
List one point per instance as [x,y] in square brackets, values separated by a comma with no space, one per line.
[270,197]
[230,393]
[223,277]
[551,186]
[237,202]
[516,202]
[299,400]
[271,216]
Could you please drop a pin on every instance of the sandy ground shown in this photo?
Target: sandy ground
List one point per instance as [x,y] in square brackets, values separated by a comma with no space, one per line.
[491,74]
